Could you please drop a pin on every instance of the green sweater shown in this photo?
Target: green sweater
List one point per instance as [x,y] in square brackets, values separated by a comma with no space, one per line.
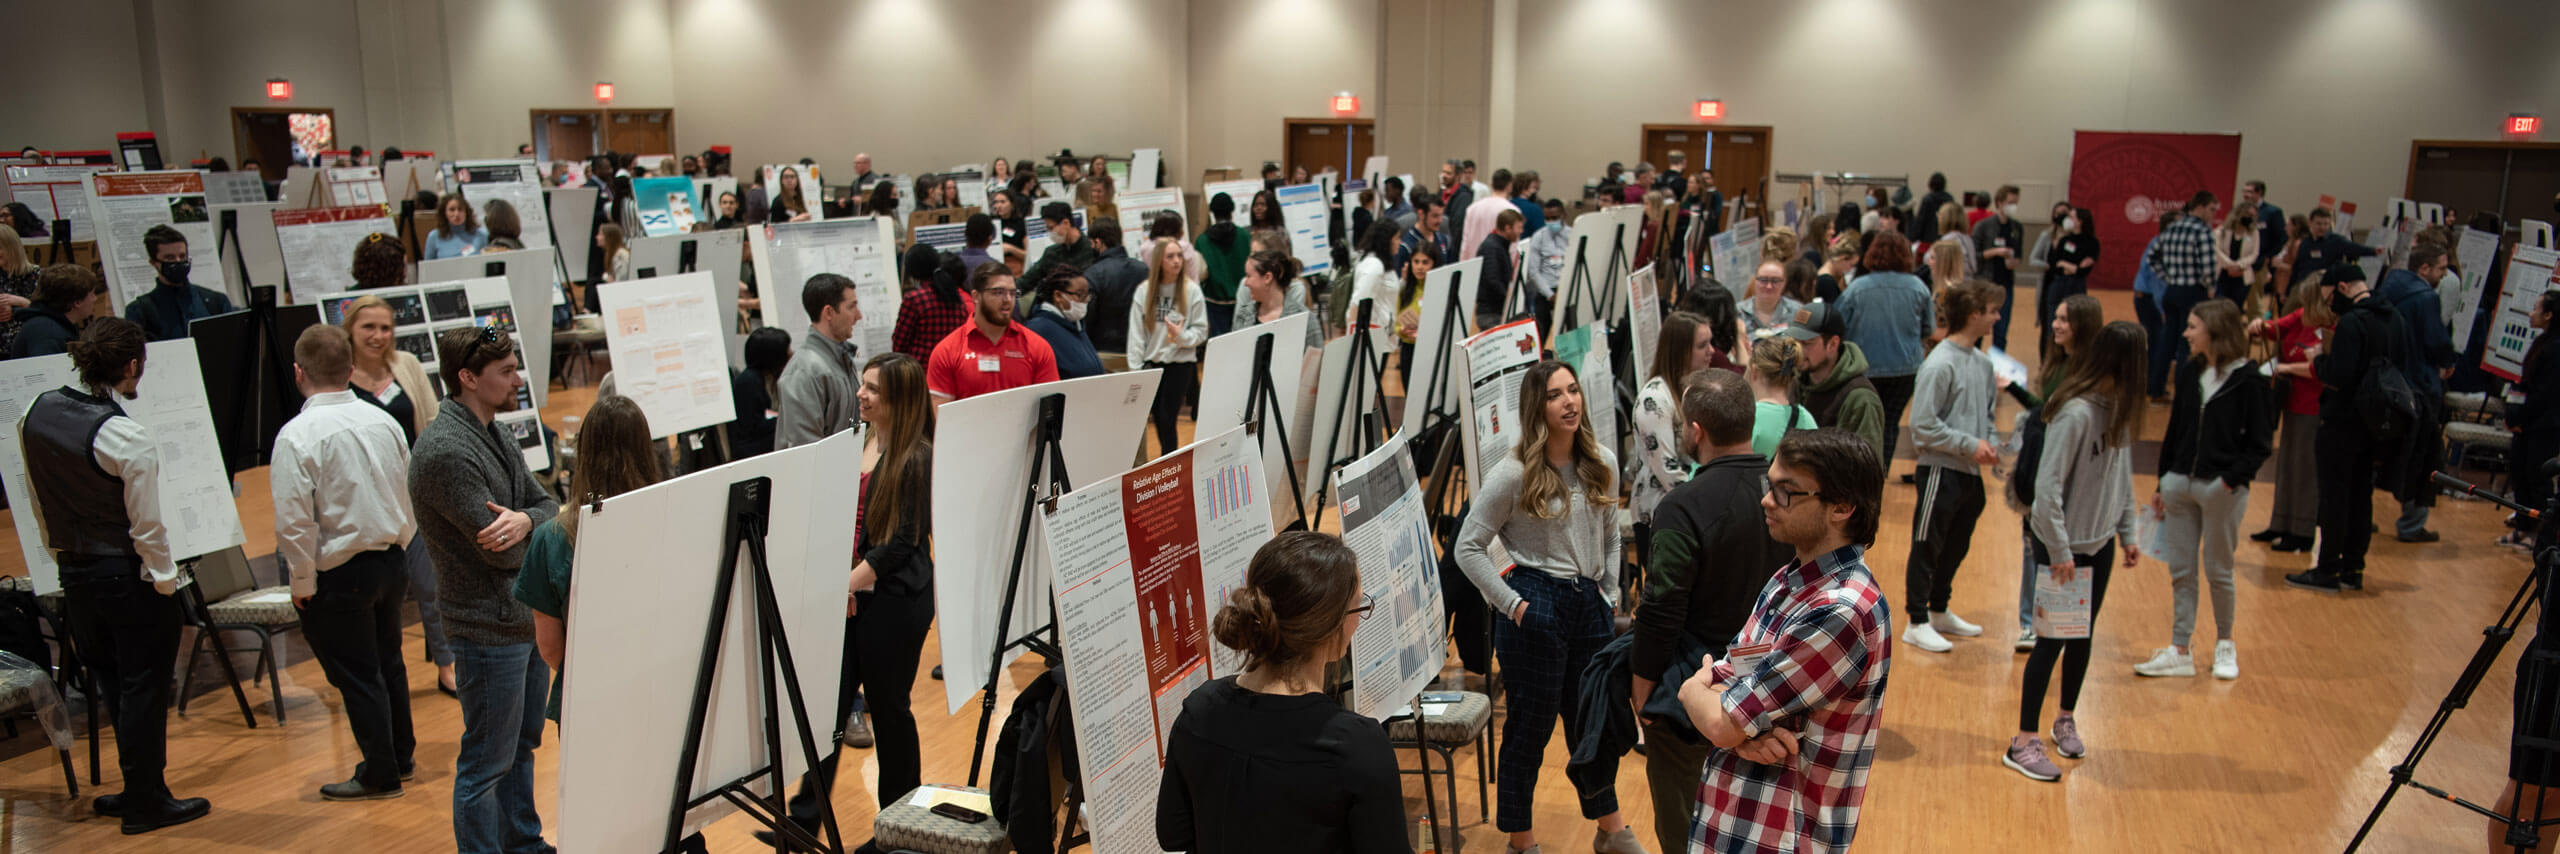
[1225,263]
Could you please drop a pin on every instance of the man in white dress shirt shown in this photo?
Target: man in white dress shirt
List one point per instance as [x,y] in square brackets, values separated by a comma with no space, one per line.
[93,475]
[341,485]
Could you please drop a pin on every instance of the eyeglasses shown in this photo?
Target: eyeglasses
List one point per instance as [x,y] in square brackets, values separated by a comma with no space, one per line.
[1786,496]
[1367,603]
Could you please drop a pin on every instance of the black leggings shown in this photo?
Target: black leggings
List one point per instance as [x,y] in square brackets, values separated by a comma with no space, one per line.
[2074,653]
[1171,391]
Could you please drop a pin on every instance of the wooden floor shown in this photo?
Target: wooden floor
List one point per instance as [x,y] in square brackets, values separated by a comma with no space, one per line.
[2288,758]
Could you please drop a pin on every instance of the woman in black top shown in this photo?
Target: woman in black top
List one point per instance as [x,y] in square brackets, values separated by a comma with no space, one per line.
[1265,761]
[2536,422]
[752,391]
[2067,264]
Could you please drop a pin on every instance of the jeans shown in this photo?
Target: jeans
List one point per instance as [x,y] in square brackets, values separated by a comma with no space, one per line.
[2157,372]
[503,688]
[2201,527]
[882,644]
[422,587]
[2008,308]
[128,635]
[2074,653]
[1543,657]
[2169,340]
[353,625]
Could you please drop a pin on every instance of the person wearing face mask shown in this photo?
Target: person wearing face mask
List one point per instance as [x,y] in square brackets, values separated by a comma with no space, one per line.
[1059,319]
[1067,244]
[2367,329]
[2066,264]
[1997,240]
[164,311]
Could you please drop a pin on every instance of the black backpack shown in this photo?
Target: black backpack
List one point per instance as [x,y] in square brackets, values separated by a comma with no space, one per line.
[2384,398]
[2022,474]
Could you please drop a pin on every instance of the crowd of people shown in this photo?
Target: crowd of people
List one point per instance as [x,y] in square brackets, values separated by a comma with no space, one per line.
[1754,467]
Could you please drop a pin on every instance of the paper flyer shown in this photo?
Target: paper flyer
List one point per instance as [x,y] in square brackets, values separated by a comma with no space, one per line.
[518,183]
[1140,563]
[1397,649]
[664,334]
[666,205]
[319,246]
[125,205]
[1304,214]
[2062,610]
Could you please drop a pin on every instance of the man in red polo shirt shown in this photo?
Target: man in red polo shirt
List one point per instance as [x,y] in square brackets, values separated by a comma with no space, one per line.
[993,352]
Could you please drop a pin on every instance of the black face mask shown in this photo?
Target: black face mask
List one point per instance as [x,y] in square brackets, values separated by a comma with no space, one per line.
[175,272]
[2339,301]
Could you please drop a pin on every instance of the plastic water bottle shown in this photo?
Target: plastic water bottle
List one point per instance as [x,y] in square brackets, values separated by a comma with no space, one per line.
[1426,837]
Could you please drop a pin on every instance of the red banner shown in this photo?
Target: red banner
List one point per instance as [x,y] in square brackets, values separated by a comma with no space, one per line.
[350,213]
[150,183]
[2129,179]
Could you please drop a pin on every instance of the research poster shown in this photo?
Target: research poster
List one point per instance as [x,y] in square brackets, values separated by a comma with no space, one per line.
[57,192]
[1587,351]
[195,490]
[1227,383]
[1496,360]
[234,188]
[708,191]
[1396,651]
[127,204]
[356,185]
[1304,214]
[1737,256]
[947,237]
[1439,329]
[319,246]
[666,205]
[1143,165]
[421,312]
[1644,321]
[972,188]
[860,248]
[1240,191]
[812,191]
[2529,273]
[668,355]
[1140,563]
[516,182]
[2475,253]
[1140,208]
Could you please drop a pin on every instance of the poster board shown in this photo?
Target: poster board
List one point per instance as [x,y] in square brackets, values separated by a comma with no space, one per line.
[719,254]
[573,221]
[1242,191]
[1227,375]
[1438,305]
[708,191]
[633,645]
[664,336]
[2475,251]
[234,188]
[1597,236]
[1141,561]
[1396,650]
[973,529]
[354,185]
[860,248]
[812,191]
[299,189]
[666,205]
[516,182]
[409,176]
[57,192]
[1644,321]
[1736,254]
[939,216]
[1587,350]
[531,288]
[972,188]
[948,237]
[258,247]
[319,244]
[1496,359]
[1140,208]
[2128,178]
[1304,214]
[195,490]
[124,205]
[1144,163]
[2530,270]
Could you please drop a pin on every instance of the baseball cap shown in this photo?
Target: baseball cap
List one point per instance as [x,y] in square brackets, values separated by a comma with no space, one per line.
[1817,320]
[2342,273]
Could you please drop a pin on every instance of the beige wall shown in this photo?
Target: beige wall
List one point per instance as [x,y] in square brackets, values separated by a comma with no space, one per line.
[2327,95]
[1437,82]
[1259,62]
[76,76]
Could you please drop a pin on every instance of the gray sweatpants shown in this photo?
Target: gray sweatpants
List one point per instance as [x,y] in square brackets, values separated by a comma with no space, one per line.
[2201,526]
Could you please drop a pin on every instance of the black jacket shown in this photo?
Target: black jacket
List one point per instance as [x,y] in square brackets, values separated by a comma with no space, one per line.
[2225,438]
[1493,285]
[43,331]
[2541,385]
[1712,554]
[2367,329]
[1115,278]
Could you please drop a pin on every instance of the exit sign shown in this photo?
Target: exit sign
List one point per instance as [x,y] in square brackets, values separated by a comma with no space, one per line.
[2520,124]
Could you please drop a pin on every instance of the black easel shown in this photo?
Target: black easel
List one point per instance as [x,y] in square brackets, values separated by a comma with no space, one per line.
[62,241]
[1360,387]
[1581,280]
[229,238]
[749,509]
[1261,411]
[407,225]
[1048,481]
[2522,833]
[271,374]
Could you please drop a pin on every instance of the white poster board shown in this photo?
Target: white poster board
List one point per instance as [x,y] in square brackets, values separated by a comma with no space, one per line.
[718,253]
[57,192]
[1304,214]
[2529,273]
[664,336]
[1241,191]
[1333,432]
[355,185]
[974,526]
[573,218]
[1439,329]
[1644,321]
[1140,208]
[1227,377]
[1397,649]
[2475,252]
[711,189]
[516,182]
[319,245]
[1736,254]
[1602,253]
[420,312]
[1496,359]
[972,188]
[861,249]
[195,490]
[812,192]
[124,205]
[299,188]
[1586,350]
[651,560]
[1143,165]
[1142,561]
[234,188]
[533,288]
[257,247]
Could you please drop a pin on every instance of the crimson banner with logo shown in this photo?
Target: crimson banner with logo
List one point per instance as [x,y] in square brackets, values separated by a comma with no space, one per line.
[2128,179]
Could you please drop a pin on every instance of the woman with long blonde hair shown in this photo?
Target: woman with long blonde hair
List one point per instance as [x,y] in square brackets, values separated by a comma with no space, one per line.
[391,378]
[1553,501]
[1167,325]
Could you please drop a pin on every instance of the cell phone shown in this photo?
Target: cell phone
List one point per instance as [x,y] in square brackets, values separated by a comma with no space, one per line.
[958,813]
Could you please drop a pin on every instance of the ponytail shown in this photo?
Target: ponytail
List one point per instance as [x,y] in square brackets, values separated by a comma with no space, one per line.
[1282,268]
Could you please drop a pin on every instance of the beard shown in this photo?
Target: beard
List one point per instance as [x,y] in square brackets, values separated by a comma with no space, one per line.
[993,316]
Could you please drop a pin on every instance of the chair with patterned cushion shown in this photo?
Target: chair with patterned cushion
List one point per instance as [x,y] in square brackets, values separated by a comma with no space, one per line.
[905,826]
[1445,727]
[229,600]
[2475,432]
[28,691]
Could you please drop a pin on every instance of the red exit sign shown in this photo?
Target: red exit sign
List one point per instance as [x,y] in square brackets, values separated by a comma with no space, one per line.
[2519,124]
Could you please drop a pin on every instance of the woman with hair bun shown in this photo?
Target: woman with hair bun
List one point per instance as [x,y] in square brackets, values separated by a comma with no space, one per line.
[1265,761]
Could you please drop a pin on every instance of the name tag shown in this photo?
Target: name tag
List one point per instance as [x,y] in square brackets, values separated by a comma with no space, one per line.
[1746,657]
[989,364]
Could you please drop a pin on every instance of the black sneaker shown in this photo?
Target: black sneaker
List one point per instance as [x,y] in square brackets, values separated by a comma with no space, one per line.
[2422,536]
[408,772]
[170,812]
[2291,543]
[2267,536]
[108,806]
[2317,579]
[356,790]
[2351,581]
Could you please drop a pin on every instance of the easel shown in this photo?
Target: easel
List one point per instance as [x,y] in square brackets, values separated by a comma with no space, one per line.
[228,237]
[750,506]
[1439,410]
[1614,270]
[1261,406]
[1360,386]
[267,344]
[1048,481]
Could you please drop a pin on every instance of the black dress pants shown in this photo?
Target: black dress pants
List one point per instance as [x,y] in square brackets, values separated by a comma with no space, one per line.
[128,635]
[353,625]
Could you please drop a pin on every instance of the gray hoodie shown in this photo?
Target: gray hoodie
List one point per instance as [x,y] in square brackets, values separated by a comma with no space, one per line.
[2084,488]
[1951,407]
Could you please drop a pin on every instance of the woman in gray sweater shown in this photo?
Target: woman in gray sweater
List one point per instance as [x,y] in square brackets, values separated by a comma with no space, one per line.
[2083,510]
[1553,502]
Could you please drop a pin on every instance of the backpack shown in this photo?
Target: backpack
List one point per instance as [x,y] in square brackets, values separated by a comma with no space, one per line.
[2022,474]
[2384,398]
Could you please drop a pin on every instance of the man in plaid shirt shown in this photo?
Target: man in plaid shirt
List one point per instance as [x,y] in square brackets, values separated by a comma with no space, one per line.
[1794,709]
[2183,259]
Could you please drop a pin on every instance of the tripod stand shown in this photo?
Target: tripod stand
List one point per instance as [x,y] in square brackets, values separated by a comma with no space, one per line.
[2522,833]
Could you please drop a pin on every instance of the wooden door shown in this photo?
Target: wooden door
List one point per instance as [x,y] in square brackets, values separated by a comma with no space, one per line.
[1661,140]
[640,131]
[1343,144]
[2514,179]
[265,134]
[565,134]
[1740,158]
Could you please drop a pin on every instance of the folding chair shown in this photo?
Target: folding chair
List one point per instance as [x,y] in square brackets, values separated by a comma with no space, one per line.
[225,598]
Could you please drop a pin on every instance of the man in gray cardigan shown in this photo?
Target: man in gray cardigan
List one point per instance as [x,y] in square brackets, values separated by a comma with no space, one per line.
[814,397]
[1951,430]
[476,503]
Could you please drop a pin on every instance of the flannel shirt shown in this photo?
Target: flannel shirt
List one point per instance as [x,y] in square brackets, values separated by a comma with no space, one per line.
[924,320]
[2183,256]
[1831,636]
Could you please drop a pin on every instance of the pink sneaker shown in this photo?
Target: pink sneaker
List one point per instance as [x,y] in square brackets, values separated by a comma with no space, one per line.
[2026,756]
[2066,738]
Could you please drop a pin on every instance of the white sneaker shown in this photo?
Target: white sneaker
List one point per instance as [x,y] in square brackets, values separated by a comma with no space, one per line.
[2226,660]
[2026,639]
[1947,623]
[1926,638]
[2166,661]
